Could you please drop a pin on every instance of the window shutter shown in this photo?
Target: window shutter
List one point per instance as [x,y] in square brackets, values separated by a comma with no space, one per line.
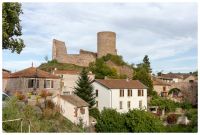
[51,83]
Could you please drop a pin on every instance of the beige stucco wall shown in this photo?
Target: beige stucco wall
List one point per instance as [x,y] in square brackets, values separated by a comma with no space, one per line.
[69,81]
[21,84]
[159,89]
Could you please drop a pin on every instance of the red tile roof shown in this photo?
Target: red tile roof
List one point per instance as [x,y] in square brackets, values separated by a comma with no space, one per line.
[157,81]
[33,72]
[121,84]
[6,75]
[75,100]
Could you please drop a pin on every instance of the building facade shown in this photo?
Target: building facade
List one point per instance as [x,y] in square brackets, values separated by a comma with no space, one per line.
[119,94]
[73,108]
[32,79]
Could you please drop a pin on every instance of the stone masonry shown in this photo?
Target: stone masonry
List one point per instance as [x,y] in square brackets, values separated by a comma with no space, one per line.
[106,43]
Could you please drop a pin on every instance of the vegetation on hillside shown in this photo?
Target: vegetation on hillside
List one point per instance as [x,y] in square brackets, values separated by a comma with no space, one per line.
[142,73]
[42,120]
[51,65]
[101,69]
[11,27]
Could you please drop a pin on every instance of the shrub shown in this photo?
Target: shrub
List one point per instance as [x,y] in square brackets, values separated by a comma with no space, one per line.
[110,121]
[50,104]
[94,112]
[20,96]
[172,118]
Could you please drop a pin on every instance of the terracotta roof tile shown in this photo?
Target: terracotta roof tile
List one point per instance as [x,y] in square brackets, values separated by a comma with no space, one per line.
[157,81]
[33,72]
[6,75]
[121,84]
[75,100]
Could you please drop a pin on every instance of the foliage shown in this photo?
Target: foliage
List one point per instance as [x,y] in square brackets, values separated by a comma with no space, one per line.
[164,103]
[172,118]
[110,121]
[11,27]
[192,115]
[179,129]
[19,95]
[94,112]
[101,69]
[174,90]
[84,88]
[118,60]
[55,122]
[133,121]
[146,64]
[45,93]
[142,75]
[186,105]
[142,121]
[51,65]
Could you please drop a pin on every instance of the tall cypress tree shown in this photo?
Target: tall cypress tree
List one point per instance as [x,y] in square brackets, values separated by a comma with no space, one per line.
[147,64]
[85,89]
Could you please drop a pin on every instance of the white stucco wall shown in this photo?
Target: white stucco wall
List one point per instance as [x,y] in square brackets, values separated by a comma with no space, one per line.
[68,111]
[134,99]
[111,99]
[104,96]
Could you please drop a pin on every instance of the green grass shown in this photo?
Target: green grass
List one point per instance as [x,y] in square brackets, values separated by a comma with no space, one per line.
[51,65]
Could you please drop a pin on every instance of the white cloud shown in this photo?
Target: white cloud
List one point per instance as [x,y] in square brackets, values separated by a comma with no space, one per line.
[161,31]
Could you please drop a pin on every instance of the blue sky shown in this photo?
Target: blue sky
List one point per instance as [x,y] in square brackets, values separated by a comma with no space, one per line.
[166,32]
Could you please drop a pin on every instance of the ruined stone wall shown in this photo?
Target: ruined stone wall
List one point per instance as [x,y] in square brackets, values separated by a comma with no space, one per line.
[106,43]
[59,53]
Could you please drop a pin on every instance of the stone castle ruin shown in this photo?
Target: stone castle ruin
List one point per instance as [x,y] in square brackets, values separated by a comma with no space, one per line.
[106,44]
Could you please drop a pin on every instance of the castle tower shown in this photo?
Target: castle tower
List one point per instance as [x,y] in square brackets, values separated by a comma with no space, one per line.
[106,43]
[59,50]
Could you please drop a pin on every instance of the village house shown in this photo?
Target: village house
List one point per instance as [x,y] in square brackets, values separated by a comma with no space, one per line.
[32,79]
[162,88]
[5,76]
[69,79]
[73,108]
[120,94]
[177,77]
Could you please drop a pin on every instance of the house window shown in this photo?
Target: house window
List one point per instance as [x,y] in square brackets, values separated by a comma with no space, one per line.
[96,103]
[191,81]
[51,83]
[129,104]
[82,110]
[121,93]
[120,105]
[164,88]
[96,93]
[75,112]
[30,83]
[140,104]
[140,93]
[38,83]
[129,93]
[48,83]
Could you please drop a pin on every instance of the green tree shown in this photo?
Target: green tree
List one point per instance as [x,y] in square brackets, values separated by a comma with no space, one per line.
[84,88]
[143,76]
[142,121]
[111,121]
[147,64]
[11,27]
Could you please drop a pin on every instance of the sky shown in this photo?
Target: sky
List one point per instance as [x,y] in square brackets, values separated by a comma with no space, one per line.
[166,32]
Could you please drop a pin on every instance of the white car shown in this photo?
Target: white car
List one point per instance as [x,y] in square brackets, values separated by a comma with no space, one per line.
[4,98]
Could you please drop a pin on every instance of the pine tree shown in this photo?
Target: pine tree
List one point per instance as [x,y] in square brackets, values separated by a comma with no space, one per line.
[85,89]
[147,64]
